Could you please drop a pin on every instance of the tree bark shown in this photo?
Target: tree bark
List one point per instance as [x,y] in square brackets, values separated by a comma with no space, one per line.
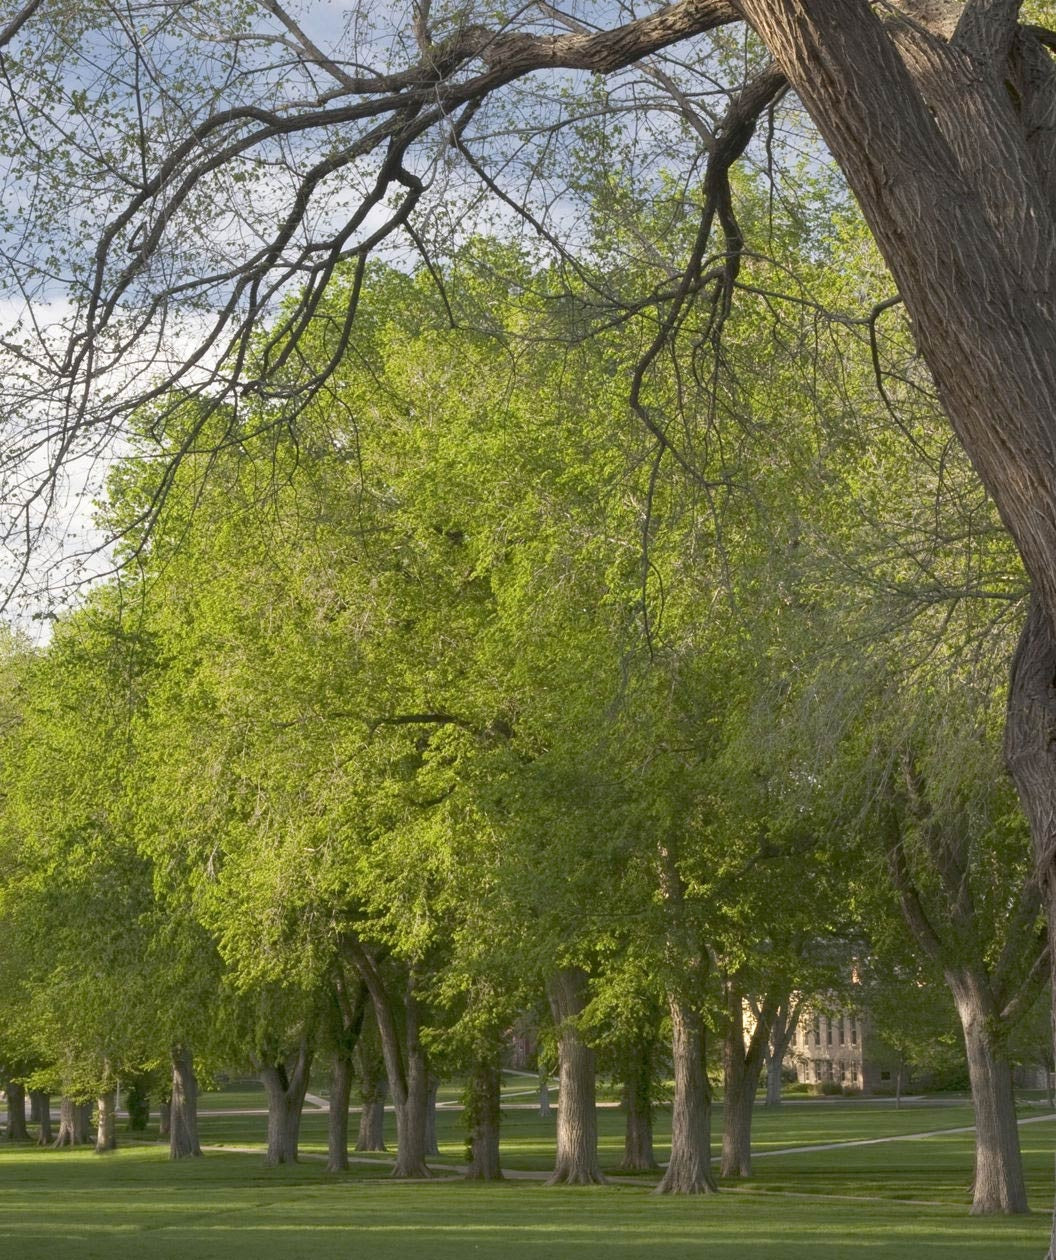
[637,1102]
[285,1084]
[742,1064]
[431,1146]
[483,1118]
[577,1121]
[165,1117]
[72,1129]
[544,1094]
[106,1121]
[370,1065]
[16,1112]
[782,1030]
[183,1107]
[40,1104]
[372,1118]
[405,1063]
[689,1170]
[337,1120]
[347,1011]
[998,1184]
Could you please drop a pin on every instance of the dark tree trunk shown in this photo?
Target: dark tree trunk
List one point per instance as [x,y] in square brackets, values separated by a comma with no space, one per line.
[405,1063]
[998,1184]
[372,1118]
[544,1094]
[337,1119]
[16,1112]
[165,1117]
[483,1118]
[66,1135]
[689,1171]
[75,1120]
[347,1010]
[412,1121]
[637,1104]
[40,1105]
[285,1085]
[742,1063]
[373,1085]
[782,1030]
[106,1121]
[431,1147]
[183,1107]
[577,1120]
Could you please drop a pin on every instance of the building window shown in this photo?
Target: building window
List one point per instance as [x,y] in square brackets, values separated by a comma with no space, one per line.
[828,1032]
[843,1030]
[854,1031]
[885,1076]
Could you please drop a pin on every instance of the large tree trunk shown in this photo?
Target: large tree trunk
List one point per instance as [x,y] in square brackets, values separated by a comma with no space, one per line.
[183,1107]
[689,1170]
[577,1121]
[483,1116]
[40,1110]
[998,1184]
[106,1121]
[75,1120]
[16,1112]
[637,1102]
[285,1085]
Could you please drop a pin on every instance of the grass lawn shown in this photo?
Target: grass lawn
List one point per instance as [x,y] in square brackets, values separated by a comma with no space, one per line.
[894,1200]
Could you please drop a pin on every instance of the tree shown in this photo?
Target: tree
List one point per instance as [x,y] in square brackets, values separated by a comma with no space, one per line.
[949,168]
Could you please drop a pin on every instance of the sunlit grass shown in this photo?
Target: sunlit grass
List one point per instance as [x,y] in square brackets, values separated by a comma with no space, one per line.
[893,1200]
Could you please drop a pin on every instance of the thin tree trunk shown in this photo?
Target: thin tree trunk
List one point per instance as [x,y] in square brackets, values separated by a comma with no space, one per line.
[544,1093]
[431,1147]
[689,1171]
[34,1106]
[106,1127]
[40,1103]
[347,1010]
[183,1107]
[577,1121]
[638,1155]
[483,1117]
[285,1087]
[16,1112]
[783,1029]
[405,1063]
[370,1065]
[998,1184]
[165,1117]
[742,1064]
[337,1120]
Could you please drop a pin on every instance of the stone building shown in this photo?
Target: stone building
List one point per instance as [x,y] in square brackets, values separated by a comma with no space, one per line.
[833,1047]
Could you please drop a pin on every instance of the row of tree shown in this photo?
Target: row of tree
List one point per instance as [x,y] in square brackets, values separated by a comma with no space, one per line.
[461,696]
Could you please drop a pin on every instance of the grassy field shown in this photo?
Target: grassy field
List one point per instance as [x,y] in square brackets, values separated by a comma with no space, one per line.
[894,1199]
